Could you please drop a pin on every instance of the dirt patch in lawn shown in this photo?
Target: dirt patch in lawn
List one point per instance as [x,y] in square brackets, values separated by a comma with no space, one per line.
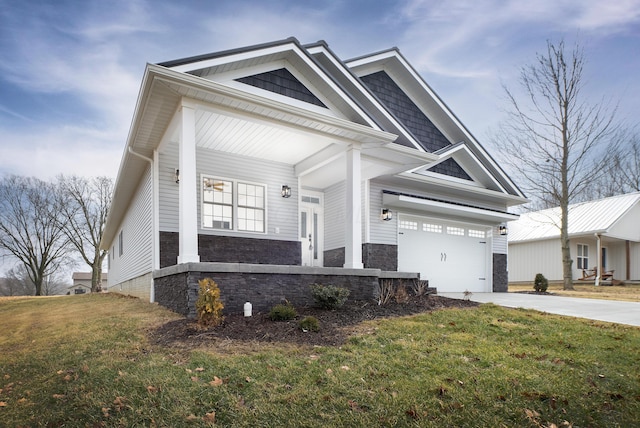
[335,325]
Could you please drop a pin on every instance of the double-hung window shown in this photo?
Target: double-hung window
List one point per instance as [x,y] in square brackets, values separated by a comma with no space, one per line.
[583,256]
[230,205]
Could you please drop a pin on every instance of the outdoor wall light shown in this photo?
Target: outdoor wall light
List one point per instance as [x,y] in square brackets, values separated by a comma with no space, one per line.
[386,214]
[503,230]
[286,191]
[176,176]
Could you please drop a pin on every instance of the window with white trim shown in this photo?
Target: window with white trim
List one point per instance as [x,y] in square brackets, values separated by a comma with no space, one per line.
[583,256]
[250,207]
[409,225]
[457,231]
[435,228]
[233,206]
[474,233]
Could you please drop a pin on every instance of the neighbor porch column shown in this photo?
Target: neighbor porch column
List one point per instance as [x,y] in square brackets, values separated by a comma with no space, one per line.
[353,221]
[188,188]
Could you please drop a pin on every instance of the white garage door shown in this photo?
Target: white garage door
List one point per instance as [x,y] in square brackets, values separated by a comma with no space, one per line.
[452,256]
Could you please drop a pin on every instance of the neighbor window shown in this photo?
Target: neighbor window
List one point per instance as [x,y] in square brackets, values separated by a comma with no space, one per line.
[583,256]
[120,245]
[233,206]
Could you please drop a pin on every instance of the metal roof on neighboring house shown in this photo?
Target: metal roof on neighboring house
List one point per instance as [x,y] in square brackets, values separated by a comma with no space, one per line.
[584,218]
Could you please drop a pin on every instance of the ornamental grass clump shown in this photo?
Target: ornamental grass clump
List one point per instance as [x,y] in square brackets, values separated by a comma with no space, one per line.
[208,306]
[540,283]
[329,296]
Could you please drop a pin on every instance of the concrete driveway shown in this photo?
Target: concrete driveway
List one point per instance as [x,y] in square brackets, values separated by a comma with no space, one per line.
[601,310]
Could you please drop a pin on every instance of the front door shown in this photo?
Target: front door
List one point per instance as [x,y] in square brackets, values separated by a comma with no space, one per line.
[311,229]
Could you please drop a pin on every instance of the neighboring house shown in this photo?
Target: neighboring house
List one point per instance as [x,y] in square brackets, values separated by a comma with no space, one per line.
[604,237]
[82,282]
[275,166]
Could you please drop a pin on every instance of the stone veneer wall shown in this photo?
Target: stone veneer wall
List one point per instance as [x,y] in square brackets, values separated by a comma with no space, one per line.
[374,256]
[500,273]
[380,256]
[226,249]
[176,287]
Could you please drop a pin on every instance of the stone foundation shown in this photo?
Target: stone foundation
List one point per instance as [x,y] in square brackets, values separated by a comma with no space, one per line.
[500,273]
[228,249]
[176,287]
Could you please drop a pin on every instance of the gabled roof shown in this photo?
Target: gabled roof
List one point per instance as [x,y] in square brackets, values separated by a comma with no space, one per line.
[393,63]
[585,218]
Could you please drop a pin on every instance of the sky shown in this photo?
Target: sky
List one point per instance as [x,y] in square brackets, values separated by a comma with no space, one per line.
[70,71]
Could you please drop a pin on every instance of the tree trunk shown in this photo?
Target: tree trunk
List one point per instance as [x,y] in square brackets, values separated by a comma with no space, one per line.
[567,262]
[96,276]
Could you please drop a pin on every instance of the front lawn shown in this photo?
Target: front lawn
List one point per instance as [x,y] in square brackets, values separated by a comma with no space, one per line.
[81,361]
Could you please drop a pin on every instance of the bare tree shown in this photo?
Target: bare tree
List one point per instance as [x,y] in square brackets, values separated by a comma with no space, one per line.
[85,215]
[553,138]
[627,165]
[30,228]
[621,170]
[17,283]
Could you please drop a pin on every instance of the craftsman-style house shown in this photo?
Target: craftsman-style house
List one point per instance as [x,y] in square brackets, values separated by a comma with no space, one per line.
[272,167]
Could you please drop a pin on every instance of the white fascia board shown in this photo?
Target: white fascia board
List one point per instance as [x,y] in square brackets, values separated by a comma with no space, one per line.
[366,93]
[240,56]
[509,199]
[462,146]
[360,133]
[113,219]
[286,49]
[392,61]
[405,201]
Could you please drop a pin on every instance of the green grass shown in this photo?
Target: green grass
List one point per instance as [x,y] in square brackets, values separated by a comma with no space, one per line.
[86,361]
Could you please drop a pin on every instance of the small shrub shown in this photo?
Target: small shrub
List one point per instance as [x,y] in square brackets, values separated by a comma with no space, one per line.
[283,312]
[309,324]
[420,287]
[385,292]
[329,296]
[208,306]
[540,284]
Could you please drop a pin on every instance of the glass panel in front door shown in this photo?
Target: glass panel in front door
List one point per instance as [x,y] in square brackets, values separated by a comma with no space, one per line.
[309,235]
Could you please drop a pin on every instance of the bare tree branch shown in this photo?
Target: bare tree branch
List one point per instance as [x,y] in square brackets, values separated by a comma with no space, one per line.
[553,138]
[30,227]
[84,217]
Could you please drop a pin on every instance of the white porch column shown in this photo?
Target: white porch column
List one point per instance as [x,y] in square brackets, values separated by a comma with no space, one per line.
[353,221]
[188,190]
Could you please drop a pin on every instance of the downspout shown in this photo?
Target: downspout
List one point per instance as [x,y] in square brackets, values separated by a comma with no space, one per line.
[152,291]
[598,261]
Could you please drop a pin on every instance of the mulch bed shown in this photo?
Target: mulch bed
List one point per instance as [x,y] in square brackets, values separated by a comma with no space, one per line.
[335,325]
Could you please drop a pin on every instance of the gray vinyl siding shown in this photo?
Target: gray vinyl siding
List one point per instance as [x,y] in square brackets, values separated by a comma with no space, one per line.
[281,213]
[500,245]
[382,232]
[334,208]
[137,236]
